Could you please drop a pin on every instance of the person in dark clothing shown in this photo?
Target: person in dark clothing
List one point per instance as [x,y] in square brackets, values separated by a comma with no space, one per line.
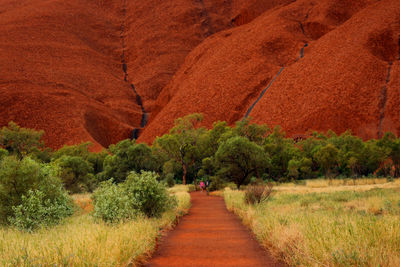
[207,184]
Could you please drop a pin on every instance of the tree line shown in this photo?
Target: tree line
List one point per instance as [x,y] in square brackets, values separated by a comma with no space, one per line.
[190,152]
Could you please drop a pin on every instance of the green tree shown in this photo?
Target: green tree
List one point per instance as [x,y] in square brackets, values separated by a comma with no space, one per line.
[20,141]
[391,144]
[252,131]
[239,159]
[171,168]
[83,150]
[293,169]
[76,174]
[181,142]
[128,156]
[209,141]
[281,150]
[327,157]
[18,177]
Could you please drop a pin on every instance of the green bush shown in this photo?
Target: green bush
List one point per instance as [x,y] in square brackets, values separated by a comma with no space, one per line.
[169,180]
[111,204]
[26,185]
[20,141]
[76,173]
[3,153]
[127,156]
[216,183]
[147,195]
[36,210]
[139,194]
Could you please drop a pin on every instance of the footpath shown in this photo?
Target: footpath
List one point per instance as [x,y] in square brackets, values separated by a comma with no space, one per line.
[210,236]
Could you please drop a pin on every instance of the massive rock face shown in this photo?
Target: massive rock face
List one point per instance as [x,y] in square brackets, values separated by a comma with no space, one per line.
[347,76]
[88,70]
[61,71]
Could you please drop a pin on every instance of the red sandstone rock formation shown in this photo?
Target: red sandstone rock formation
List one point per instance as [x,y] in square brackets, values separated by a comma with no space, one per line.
[61,65]
[61,71]
[343,81]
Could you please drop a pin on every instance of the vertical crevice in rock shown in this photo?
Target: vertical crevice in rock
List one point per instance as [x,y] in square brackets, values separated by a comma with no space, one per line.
[270,84]
[398,48]
[383,100]
[135,132]
[302,28]
[205,19]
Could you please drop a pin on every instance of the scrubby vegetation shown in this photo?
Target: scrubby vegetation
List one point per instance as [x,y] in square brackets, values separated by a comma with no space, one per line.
[140,194]
[40,224]
[83,241]
[31,194]
[221,154]
[311,226]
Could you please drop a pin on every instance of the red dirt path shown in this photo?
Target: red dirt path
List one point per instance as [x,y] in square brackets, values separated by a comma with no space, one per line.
[210,236]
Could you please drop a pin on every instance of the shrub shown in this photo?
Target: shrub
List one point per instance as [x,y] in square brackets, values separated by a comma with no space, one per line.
[36,210]
[20,141]
[139,194]
[239,158]
[216,183]
[147,195]
[3,153]
[111,204]
[127,156]
[26,185]
[169,180]
[76,173]
[257,193]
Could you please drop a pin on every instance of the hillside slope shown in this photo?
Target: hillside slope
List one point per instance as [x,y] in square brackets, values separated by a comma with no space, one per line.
[338,64]
[61,71]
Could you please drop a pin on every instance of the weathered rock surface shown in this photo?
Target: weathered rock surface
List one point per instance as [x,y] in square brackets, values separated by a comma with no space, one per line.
[62,65]
[342,82]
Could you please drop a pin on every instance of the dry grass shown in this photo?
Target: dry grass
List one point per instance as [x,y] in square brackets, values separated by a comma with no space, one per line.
[218,193]
[320,186]
[179,188]
[333,228]
[81,241]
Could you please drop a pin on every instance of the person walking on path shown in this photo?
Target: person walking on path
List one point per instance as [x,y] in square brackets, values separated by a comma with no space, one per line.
[202,185]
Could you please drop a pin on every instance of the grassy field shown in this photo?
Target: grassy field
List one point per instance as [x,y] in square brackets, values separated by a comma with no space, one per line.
[81,241]
[330,225]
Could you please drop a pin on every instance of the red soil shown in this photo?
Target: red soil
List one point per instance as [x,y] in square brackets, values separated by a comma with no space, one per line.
[61,65]
[210,236]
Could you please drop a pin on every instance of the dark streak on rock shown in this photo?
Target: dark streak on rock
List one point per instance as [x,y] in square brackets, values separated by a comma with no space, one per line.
[136,131]
[206,20]
[383,101]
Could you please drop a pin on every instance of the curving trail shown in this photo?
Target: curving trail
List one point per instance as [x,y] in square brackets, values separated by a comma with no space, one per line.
[210,236]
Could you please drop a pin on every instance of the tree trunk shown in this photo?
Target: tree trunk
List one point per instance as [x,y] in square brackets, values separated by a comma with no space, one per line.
[396,170]
[184,173]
